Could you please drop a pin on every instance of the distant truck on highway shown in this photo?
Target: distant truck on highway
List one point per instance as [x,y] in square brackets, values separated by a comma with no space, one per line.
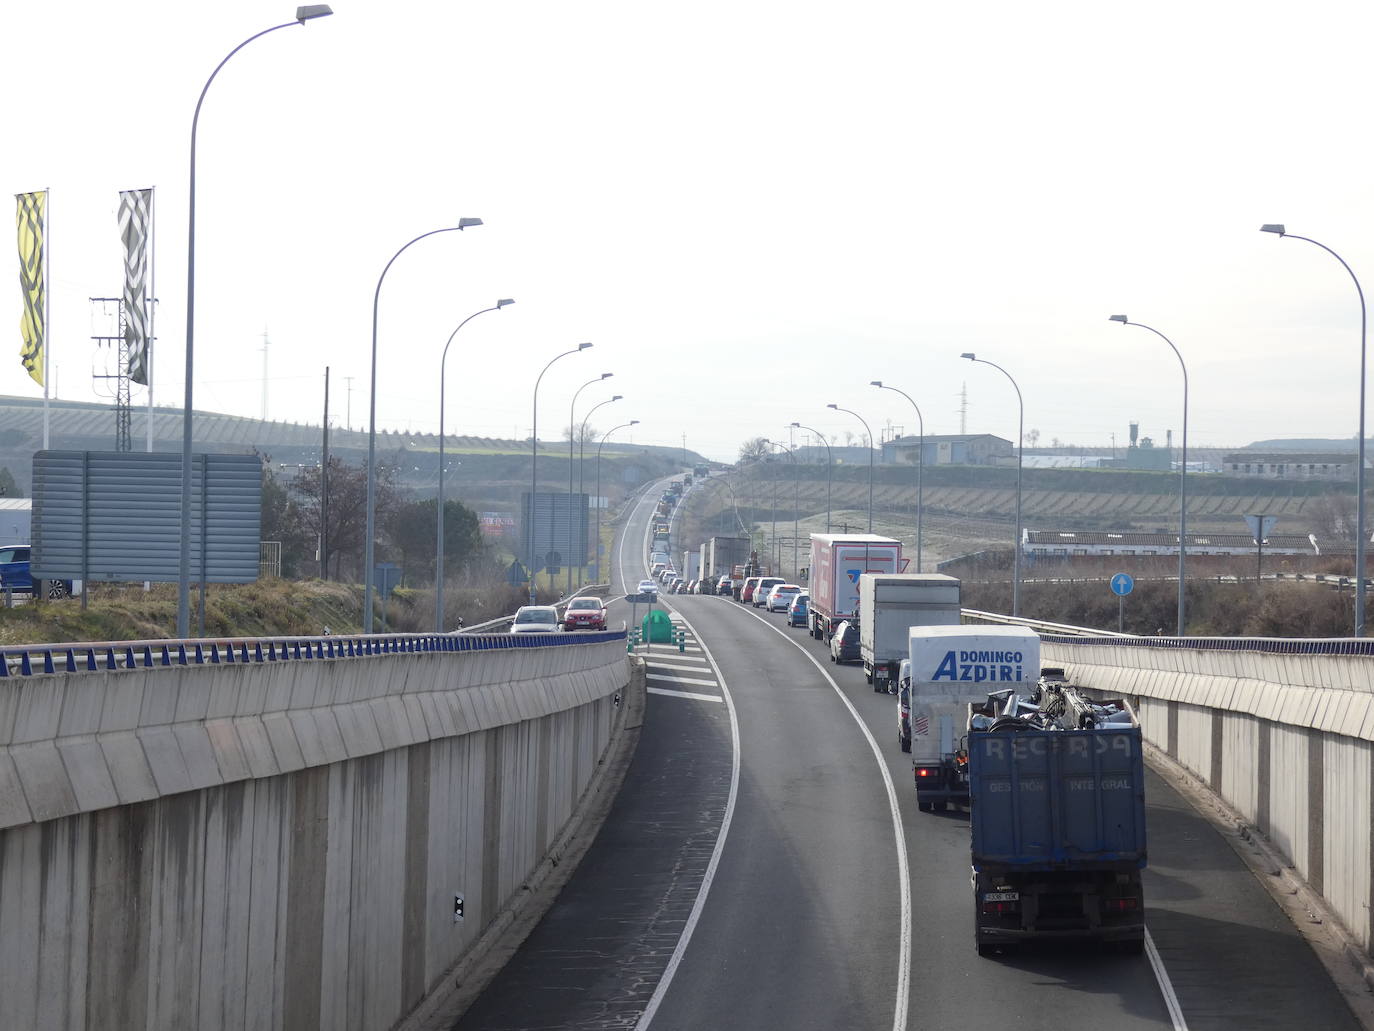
[953,667]
[723,554]
[837,562]
[1056,786]
[889,605]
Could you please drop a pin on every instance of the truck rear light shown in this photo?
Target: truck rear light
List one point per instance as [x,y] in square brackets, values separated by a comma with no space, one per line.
[1000,908]
[925,771]
[1121,905]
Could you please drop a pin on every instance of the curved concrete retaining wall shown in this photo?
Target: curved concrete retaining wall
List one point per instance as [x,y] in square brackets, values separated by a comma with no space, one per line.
[279,846]
[1282,730]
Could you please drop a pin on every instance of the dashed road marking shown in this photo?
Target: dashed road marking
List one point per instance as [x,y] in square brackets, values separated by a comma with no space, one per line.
[685,694]
[671,679]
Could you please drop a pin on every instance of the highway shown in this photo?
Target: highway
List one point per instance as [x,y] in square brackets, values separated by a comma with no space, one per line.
[765,866]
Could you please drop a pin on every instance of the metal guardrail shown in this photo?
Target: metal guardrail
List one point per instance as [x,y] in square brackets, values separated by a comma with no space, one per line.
[1038,625]
[87,657]
[504,622]
[1062,633]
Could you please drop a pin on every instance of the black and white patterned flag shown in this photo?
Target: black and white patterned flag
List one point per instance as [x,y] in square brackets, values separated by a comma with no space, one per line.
[135,216]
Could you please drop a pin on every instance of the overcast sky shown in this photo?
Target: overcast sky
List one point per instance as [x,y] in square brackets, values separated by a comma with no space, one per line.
[751,209]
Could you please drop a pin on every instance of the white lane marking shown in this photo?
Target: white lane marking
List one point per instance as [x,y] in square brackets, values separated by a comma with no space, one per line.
[661,664]
[685,694]
[899,1014]
[673,678]
[1166,986]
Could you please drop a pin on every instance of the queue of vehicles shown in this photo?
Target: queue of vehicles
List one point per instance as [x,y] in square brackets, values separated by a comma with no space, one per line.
[1053,780]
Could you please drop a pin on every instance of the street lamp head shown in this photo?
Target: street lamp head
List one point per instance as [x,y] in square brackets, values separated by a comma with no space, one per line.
[797,425]
[836,407]
[607,375]
[616,397]
[1273,227]
[304,14]
[875,383]
[583,347]
[1119,318]
[504,301]
[634,422]
[970,356]
[467,223]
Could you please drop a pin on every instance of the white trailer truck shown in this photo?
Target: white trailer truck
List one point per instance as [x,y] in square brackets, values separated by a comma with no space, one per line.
[951,668]
[892,603]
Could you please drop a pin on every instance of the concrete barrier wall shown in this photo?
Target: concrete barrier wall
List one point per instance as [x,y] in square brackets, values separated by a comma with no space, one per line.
[1286,739]
[279,846]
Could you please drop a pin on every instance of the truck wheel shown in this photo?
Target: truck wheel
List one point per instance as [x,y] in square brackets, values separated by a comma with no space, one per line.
[906,743]
[940,807]
[923,806]
[1130,947]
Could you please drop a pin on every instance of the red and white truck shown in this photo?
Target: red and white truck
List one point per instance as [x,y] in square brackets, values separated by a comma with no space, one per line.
[837,562]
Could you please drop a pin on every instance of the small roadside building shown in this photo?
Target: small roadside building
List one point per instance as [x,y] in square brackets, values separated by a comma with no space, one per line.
[1292,465]
[949,449]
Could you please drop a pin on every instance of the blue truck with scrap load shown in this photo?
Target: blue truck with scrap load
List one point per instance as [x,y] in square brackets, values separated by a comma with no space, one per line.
[1057,812]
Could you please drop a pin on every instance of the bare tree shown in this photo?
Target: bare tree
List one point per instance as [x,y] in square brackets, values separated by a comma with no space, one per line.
[753,449]
[1332,518]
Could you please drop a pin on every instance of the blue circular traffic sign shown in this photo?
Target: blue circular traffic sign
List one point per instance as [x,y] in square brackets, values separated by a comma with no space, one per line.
[1122,583]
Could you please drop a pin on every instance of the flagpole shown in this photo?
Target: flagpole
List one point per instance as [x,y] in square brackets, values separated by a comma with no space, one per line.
[47,307]
[150,303]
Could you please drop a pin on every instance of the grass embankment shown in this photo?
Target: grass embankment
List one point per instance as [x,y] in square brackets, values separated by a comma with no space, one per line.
[1270,609]
[268,608]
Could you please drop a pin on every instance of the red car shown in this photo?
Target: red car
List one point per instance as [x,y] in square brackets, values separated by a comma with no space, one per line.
[585,614]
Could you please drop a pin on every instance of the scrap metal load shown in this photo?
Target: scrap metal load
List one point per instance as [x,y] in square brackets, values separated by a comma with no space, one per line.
[1052,705]
[1057,813]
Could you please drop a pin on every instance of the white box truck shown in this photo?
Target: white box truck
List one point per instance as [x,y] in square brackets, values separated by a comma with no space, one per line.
[890,604]
[951,668]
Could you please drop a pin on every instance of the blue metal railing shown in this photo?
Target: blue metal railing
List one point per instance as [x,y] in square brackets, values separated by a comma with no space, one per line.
[89,657]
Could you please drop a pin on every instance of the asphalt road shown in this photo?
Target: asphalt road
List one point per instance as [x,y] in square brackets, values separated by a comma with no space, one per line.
[765,866]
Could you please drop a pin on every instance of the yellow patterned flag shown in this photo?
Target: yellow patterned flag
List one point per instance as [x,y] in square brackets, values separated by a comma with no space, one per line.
[31,213]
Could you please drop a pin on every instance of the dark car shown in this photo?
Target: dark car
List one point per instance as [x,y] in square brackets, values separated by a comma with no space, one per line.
[844,645]
[14,573]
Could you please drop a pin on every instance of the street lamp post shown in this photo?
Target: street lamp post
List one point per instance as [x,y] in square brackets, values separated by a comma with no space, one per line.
[920,465]
[582,448]
[829,465]
[1360,535]
[796,508]
[370,544]
[534,463]
[1182,474]
[572,434]
[597,551]
[439,534]
[870,459]
[1020,448]
[303,15]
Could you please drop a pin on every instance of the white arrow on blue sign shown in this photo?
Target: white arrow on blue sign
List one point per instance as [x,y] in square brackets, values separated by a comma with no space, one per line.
[1122,583]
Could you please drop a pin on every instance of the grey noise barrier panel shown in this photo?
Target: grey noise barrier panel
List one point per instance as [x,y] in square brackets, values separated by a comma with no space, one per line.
[116,516]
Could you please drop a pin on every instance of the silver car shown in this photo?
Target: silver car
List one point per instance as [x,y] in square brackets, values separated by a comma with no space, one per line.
[535,619]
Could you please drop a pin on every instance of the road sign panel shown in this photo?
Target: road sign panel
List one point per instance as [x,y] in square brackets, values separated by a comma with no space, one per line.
[1122,584]
[1260,525]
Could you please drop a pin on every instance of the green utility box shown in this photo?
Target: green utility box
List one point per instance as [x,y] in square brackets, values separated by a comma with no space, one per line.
[657,628]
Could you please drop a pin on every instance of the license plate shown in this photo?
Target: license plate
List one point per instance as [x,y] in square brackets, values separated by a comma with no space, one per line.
[1002,896]
[882,674]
